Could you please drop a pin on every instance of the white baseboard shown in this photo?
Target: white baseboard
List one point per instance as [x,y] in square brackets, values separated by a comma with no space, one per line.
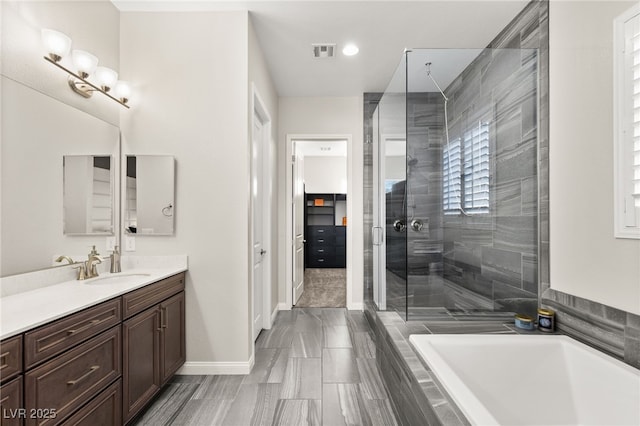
[283,307]
[275,313]
[216,368]
[356,307]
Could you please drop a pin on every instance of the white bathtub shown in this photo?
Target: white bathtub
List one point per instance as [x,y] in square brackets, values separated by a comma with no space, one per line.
[532,380]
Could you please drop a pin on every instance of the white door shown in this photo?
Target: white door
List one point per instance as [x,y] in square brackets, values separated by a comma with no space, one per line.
[257,199]
[298,225]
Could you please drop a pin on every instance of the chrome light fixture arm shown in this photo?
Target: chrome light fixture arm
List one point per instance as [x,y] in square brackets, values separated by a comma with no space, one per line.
[84,87]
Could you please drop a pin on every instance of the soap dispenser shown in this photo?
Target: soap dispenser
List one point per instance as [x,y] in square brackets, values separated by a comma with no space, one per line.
[115,260]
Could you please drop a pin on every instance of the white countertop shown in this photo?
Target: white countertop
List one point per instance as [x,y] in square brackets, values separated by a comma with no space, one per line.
[24,311]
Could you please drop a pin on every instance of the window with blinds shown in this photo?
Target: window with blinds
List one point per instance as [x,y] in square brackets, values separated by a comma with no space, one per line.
[627,132]
[466,172]
[452,171]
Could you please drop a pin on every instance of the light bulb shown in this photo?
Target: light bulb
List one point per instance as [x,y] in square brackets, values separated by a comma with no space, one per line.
[84,62]
[122,91]
[106,78]
[56,43]
[350,50]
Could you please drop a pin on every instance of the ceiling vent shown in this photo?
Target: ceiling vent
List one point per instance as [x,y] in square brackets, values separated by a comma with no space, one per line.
[324,50]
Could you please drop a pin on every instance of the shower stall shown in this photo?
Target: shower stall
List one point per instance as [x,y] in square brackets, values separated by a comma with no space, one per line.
[454,147]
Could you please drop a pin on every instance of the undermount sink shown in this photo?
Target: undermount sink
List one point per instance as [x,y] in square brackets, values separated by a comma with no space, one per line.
[115,278]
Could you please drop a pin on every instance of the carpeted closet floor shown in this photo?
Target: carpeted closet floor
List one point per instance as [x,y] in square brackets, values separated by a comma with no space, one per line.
[324,288]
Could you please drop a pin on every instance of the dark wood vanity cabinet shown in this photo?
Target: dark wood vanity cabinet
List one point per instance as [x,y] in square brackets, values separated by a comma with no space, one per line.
[154,341]
[99,366]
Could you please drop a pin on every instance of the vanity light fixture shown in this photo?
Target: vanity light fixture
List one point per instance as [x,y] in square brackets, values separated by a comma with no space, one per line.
[86,67]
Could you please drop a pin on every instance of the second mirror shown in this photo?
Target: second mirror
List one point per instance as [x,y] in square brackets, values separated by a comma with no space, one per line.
[149,204]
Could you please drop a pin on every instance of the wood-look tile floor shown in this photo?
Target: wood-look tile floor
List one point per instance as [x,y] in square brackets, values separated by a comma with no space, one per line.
[315,366]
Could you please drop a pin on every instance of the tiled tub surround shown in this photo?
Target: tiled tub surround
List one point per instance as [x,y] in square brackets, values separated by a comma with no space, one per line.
[416,397]
[489,378]
[416,394]
[25,310]
[608,329]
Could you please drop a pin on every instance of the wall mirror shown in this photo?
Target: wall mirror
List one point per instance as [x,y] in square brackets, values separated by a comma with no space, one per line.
[150,205]
[88,194]
[37,132]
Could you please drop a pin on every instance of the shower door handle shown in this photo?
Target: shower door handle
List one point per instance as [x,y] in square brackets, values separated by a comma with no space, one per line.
[380,234]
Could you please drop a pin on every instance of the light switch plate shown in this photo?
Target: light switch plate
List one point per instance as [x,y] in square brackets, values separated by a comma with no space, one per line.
[129,243]
[111,243]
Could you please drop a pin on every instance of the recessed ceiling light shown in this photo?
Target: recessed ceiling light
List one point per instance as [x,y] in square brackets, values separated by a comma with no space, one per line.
[350,50]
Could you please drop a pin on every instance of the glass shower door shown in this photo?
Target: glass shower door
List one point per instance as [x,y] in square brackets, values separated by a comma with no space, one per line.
[390,201]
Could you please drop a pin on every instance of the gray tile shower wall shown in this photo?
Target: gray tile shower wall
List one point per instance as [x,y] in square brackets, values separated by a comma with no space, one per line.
[425,131]
[491,259]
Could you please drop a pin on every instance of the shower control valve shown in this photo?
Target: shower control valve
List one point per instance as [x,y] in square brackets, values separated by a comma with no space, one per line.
[399,225]
[417,225]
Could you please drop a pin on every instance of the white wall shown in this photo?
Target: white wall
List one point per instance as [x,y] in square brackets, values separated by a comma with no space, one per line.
[325,116]
[260,78]
[586,260]
[92,25]
[190,72]
[325,175]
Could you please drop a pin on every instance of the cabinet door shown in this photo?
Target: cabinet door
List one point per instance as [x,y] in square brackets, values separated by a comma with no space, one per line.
[11,403]
[104,410]
[172,339]
[141,361]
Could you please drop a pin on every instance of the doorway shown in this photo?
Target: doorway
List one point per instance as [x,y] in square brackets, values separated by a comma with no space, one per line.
[319,193]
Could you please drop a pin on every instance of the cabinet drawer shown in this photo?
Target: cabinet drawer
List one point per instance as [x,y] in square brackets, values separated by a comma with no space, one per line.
[320,262]
[318,241]
[54,338]
[105,409]
[321,252]
[139,300]
[11,403]
[321,231]
[70,380]
[10,358]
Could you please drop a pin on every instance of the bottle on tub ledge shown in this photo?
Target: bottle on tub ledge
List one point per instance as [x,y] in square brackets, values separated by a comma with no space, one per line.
[546,320]
[525,322]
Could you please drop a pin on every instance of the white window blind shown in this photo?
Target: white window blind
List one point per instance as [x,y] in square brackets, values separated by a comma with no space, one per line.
[466,172]
[451,181]
[476,169]
[627,133]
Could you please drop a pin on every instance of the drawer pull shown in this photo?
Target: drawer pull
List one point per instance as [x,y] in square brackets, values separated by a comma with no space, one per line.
[2,358]
[84,376]
[163,317]
[320,240]
[320,231]
[320,260]
[321,251]
[86,327]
